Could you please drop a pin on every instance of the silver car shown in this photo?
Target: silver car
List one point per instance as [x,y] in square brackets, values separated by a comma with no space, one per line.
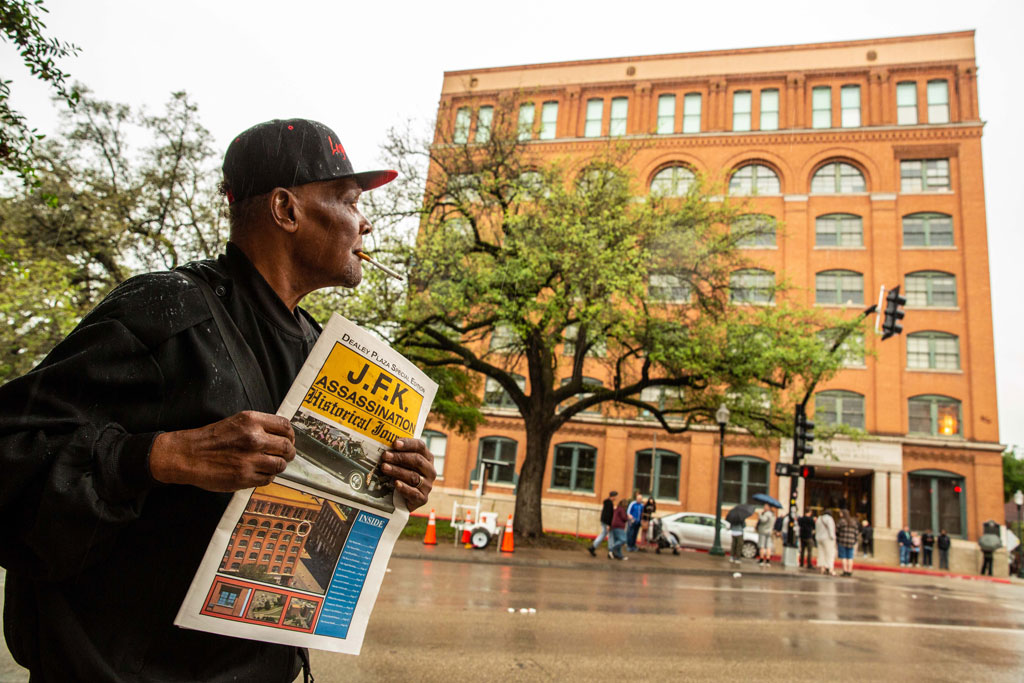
[697,530]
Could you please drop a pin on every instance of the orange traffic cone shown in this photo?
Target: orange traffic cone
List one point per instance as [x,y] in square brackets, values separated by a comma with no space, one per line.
[465,528]
[507,542]
[430,538]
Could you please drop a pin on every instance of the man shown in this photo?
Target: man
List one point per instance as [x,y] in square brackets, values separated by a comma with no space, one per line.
[765,527]
[927,546]
[806,524]
[120,450]
[635,512]
[905,543]
[607,511]
[944,543]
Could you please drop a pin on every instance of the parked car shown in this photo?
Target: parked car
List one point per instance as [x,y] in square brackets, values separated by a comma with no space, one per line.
[697,530]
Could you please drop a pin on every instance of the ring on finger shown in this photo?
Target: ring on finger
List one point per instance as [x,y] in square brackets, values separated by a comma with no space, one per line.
[417,482]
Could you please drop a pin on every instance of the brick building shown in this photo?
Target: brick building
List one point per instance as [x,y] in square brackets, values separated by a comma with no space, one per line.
[868,153]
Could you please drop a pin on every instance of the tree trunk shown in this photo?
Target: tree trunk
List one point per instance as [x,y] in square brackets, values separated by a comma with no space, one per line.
[528,522]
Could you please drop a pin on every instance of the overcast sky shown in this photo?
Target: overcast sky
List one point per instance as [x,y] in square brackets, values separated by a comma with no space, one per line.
[361,67]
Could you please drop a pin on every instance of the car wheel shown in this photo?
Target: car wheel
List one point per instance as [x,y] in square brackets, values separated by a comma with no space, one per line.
[479,539]
[355,480]
[749,550]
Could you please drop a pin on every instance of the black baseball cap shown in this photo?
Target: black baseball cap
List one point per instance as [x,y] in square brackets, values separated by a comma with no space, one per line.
[288,153]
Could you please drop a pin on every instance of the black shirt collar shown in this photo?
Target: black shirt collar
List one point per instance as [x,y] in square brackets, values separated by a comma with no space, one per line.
[250,283]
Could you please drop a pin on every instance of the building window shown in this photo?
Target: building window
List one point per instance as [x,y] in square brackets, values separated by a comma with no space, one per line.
[656,474]
[769,110]
[619,113]
[526,120]
[839,230]
[691,112]
[937,500]
[495,395]
[595,112]
[661,397]
[838,288]
[756,230]
[754,179]
[239,554]
[931,288]
[573,468]
[497,448]
[503,338]
[587,382]
[437,444]
[668,288]
[927,230]
[484,117]
[906,103]
[598,347]
[744,476]
[674,181]
[849,106]
[839,408]
[924,175]
[666,114]
[837,178]
[228,596]
[461,135]
[938,102]
[933,351]
[752,285]
[548,120]
[821,107]
[852,348]
[741,110]
[934,415]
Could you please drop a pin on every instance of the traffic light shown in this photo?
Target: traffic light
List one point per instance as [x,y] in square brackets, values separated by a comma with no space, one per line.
[893,314]
[807,471]
[803,436]
[785,469]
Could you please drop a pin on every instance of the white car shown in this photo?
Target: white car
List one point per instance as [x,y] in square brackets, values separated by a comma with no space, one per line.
[697,530]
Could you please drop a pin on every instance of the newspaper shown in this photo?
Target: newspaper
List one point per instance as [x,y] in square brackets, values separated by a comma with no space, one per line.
[300,561]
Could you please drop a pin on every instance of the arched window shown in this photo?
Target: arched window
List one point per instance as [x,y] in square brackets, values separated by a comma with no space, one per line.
[674,181]
[852,347]
[503,338]
[931,288]
[744,476]
[752,285]
[838,287]
[497,448]
[573,467]
[266,522]
[656,473]
[587,382]
[928,230]
[437,444]
[934,415]
[933,351]
[755,230]
[838,230]
[839,408]
[253,556]
[754,179]
[667,288]
[261,534]
[837,177]
[938,101]
[495,395]
[937,500]
[243,543]
[235,565]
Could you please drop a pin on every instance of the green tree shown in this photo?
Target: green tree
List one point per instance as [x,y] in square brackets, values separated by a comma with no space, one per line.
[21,25]
[522,266]
[1013,473]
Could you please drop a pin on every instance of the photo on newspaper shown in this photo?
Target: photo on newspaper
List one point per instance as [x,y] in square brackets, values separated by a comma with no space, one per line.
[300,561]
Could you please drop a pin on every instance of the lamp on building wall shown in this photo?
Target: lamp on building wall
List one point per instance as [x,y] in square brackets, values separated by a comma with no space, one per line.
[722,417]
[1018,499]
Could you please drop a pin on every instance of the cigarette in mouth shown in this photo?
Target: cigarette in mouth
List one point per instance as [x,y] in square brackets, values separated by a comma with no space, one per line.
[366,257]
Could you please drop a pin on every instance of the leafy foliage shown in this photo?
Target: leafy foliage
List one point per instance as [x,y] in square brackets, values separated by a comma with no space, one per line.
[1013,473]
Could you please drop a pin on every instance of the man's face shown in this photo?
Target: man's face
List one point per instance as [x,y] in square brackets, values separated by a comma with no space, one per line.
[332,232]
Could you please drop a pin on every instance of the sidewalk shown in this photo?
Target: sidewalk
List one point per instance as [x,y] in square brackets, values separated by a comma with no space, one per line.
[690,562]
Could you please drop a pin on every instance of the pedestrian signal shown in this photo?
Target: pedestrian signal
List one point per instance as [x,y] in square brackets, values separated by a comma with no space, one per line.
[893,303]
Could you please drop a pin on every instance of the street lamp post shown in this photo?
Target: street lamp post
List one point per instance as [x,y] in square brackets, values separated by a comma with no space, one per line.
[1018,498]
[722,416]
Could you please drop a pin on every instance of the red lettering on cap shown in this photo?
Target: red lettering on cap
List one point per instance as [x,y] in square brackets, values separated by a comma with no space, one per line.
[336,148]
[291,127]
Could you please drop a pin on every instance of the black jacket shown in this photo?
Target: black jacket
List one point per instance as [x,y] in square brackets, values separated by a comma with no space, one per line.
[806,525]
[607,512]
[99,555]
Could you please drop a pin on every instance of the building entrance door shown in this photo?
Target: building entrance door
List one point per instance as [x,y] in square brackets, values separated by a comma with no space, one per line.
[834,488]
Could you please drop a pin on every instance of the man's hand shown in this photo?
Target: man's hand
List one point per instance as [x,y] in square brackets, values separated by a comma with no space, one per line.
[245,450]
[411,465]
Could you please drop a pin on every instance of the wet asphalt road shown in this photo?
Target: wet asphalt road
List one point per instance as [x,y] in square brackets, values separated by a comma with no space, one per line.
[450,621]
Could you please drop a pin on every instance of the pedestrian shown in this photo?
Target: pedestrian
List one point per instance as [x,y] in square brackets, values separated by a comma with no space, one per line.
[736,551]
[806,524]
[905,543]
[989,543]
[915,548]
[943,544]
[664,539]
[846,540]
[927,543]
[607,510]
[825,536]
[120,450]
[646,529]
[765,527]
[986,563]
[635,512]
[867,539]
[620,519]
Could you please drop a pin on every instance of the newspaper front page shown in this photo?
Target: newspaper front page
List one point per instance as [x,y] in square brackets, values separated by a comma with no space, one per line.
[300,561]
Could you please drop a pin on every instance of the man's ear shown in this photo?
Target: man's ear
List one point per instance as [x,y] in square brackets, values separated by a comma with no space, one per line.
[285,209]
